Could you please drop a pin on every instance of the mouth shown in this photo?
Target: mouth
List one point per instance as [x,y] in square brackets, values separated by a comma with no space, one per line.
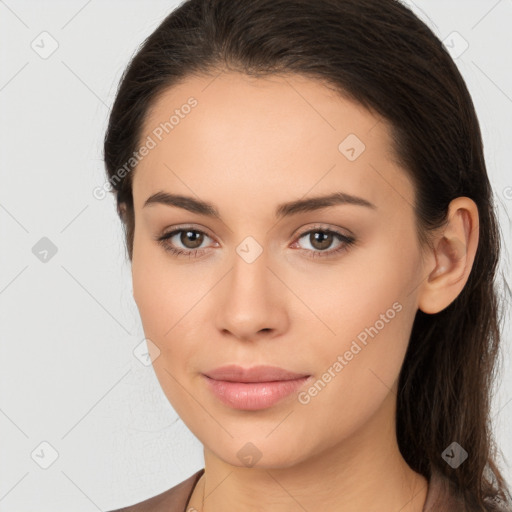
[255,388]
[235,373]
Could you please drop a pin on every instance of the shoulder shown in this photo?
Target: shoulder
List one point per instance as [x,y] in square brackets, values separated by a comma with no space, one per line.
[173,500]
[443,497]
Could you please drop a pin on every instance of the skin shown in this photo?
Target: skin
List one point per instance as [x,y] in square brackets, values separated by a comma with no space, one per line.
[249,145]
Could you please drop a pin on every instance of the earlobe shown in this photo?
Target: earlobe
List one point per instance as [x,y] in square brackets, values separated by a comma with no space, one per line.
[454,253]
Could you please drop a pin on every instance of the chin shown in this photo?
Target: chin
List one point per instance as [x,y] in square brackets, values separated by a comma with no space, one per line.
[261,452]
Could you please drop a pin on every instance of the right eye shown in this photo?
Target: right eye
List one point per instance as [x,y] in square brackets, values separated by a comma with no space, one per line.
[190,239]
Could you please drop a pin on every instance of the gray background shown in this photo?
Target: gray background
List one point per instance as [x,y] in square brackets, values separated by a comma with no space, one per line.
[69,325]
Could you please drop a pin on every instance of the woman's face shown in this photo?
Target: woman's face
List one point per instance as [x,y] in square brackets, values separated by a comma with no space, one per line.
[266,275]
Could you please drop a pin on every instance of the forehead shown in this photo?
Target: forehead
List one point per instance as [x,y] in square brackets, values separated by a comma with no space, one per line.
[280,137]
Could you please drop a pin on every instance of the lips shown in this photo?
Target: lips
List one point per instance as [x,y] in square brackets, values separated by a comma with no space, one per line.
[234,373]
[259,387]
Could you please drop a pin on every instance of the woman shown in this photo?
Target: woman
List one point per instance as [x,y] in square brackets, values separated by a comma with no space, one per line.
[313,246]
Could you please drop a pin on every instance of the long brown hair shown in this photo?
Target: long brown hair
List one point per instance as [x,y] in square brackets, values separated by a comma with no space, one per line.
[379,54]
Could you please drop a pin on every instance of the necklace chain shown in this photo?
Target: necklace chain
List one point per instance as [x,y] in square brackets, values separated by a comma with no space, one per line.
[204,487]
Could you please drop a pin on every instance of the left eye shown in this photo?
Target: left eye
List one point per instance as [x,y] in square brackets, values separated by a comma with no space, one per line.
[322,239]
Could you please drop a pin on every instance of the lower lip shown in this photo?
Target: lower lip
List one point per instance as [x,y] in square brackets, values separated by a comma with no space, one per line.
[252,396]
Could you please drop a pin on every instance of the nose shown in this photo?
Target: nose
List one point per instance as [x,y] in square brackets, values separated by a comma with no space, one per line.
[251,301]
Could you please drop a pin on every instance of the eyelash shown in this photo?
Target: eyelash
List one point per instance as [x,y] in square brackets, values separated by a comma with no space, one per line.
[347,241]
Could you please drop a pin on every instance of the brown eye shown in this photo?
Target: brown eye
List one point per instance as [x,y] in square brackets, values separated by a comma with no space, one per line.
[321,240]
[184,241]
[191,239]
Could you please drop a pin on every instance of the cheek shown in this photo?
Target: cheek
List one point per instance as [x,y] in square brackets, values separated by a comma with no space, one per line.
[163,313]
[350,297]
[370,314]
[168,299]
[161,291]
[357,372]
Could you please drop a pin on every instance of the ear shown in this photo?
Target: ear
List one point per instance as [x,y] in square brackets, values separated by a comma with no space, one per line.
[121,211]
[450,261]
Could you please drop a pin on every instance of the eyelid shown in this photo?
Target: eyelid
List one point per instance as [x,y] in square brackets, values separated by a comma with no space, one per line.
[324,227]
[184,227]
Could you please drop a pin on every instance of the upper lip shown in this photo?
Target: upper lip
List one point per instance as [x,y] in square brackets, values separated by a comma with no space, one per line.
[235,373]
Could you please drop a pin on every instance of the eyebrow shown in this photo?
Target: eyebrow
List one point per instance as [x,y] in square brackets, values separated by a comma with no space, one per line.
[283,210]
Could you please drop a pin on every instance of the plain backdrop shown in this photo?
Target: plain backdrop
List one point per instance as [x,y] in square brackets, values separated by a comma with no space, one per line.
[84,424]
